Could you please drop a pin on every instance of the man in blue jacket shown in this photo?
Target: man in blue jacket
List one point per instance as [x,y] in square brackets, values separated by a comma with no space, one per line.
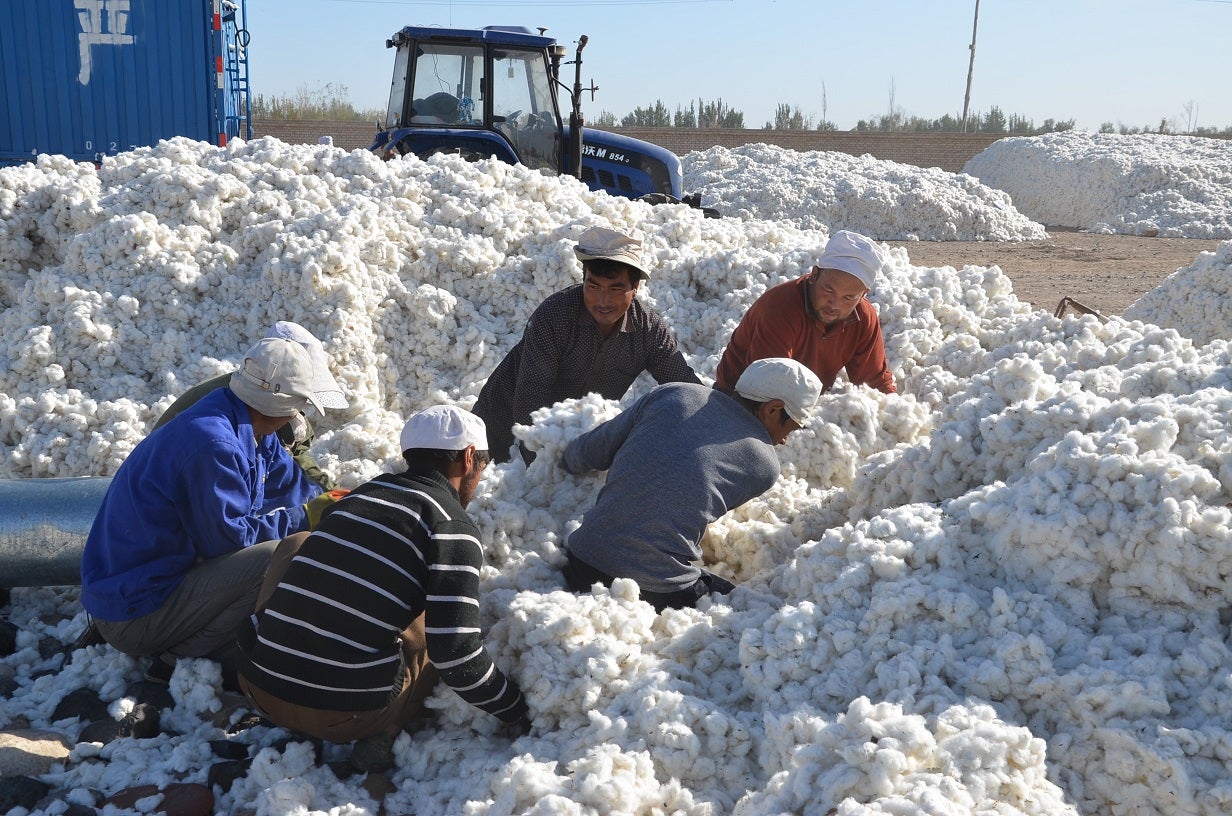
[179,547]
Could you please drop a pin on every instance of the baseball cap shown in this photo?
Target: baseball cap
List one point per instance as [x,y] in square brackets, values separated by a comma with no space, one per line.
[276,378]
[601,243]
[781,378]
[854,254]
[329,393]
[444,427]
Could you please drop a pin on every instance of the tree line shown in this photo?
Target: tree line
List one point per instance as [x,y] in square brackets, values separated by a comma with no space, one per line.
[328,103]
[1168,126]
[331,103]
[718,114]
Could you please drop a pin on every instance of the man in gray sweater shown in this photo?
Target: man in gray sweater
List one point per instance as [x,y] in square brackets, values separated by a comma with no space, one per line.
[677,459]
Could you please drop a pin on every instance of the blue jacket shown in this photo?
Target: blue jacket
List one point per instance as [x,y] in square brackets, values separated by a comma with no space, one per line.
[199,487]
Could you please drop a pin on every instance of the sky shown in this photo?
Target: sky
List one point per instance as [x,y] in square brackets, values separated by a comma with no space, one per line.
[1125,62]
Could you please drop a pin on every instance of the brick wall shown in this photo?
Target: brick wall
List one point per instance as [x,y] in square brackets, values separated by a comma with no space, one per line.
[948,151]
[347,135]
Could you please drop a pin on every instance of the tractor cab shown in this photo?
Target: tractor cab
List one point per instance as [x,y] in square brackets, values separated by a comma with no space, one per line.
[478,93]
[494,92]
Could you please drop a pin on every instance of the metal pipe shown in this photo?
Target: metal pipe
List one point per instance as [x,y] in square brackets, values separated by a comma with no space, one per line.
[43,528]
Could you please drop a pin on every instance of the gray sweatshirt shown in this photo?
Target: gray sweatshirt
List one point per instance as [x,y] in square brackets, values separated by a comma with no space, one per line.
[677,459]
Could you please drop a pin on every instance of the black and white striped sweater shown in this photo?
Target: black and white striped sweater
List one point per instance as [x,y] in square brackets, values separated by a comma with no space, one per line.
[394,547]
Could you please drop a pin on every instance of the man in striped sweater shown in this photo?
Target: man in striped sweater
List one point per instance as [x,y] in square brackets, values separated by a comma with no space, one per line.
[357,620]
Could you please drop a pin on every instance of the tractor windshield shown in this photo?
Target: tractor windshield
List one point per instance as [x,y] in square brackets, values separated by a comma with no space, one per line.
[523,106]
[448,85]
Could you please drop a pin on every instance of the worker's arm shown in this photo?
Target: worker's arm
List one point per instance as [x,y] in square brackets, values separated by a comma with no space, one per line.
[542,347]
[218,504]
[666,363]
[595,449]
[451,617]
[868,365]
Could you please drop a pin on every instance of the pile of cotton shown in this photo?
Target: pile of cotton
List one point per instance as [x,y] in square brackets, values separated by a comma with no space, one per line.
[418,277]
[1196,300]
[999,590]
[1141,184]
[829,190]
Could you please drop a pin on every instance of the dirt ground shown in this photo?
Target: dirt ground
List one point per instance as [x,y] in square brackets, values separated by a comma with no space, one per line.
[1105,272]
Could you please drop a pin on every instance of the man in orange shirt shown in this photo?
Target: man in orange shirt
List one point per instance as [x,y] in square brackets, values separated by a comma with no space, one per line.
[821,319]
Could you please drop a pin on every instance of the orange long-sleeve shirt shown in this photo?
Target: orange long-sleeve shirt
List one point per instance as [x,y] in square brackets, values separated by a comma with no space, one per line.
[778,324]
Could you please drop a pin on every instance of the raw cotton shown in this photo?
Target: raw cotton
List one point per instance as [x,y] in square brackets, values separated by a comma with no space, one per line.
[1001,590]
[832,191]
[1140,184]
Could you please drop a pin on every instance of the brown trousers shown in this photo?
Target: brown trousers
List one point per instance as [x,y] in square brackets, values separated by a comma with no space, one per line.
[412,685]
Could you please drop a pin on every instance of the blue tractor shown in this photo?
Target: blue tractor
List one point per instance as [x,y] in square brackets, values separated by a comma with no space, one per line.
[494,92]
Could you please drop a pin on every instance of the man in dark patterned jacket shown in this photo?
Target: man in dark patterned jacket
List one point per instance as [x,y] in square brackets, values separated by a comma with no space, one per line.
[356,620]
[595,336]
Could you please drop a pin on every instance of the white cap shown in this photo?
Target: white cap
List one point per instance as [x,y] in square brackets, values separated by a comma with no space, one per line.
[275,378]
[328,392]
[444,427]
[601,243]
[854,254]
[784,379]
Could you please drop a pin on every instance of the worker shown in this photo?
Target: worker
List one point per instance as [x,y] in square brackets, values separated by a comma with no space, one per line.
[595,336]
[356,621]
[678,459]
[823,319]
[296,435]
[179,546]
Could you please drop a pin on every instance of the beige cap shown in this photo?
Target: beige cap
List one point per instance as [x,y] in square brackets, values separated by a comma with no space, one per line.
[784,379]
[854,254]
[601,243]
[329,393]
[276,378]
[444,427]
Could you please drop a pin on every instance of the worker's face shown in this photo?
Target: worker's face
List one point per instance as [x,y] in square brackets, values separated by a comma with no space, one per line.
[264,425]
[778,422]
[833,294]
[608,289]
[470,480]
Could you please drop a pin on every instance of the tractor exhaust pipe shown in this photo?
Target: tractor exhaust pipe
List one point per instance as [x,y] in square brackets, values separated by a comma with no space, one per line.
[44,527]
[576,120]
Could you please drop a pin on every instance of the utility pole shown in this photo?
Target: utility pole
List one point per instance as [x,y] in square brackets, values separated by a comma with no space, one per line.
[971,65]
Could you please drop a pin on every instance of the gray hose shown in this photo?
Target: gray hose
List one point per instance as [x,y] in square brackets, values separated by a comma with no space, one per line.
[43,528]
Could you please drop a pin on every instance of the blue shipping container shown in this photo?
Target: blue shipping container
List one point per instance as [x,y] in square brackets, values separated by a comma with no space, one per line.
[89,78]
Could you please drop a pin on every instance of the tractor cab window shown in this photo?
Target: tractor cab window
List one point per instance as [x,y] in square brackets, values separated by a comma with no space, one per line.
[447,85]
[397,90]
[523,107]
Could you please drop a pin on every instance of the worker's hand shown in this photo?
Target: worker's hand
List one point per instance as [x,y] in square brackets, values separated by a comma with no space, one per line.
[316,507]
[298,426]
[517,729]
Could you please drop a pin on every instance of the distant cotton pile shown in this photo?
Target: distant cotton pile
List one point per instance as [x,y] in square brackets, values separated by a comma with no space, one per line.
[827,190]
[1196,300]
[1142,184]
[998,591]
